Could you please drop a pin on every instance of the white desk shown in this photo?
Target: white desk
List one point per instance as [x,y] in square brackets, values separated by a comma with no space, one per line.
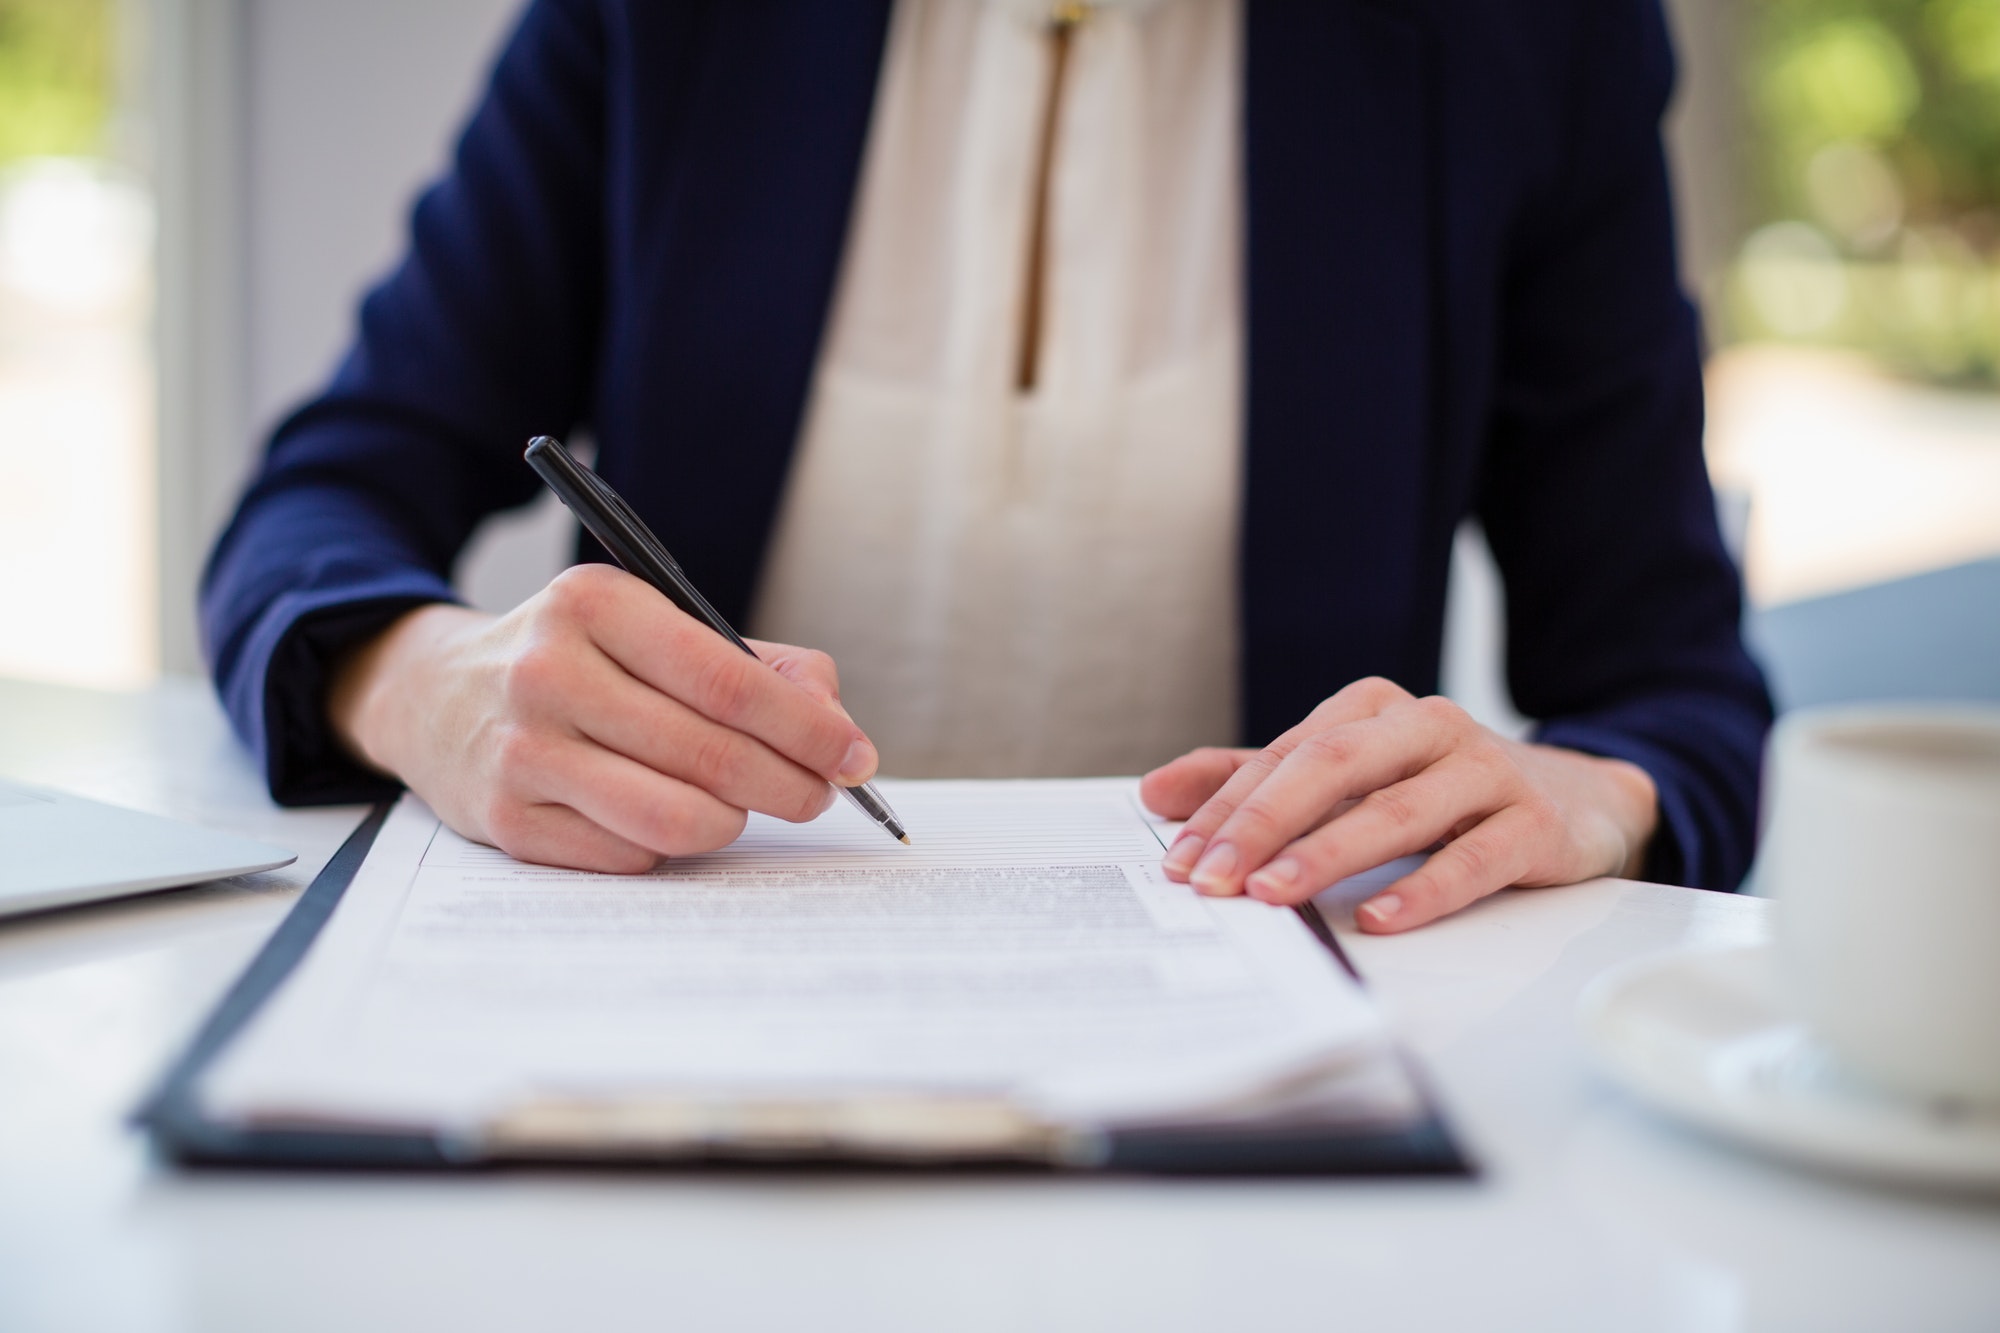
[1592,1214]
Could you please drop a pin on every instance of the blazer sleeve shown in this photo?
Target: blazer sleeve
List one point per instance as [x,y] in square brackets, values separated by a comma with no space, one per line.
[483,336]
[1623,606]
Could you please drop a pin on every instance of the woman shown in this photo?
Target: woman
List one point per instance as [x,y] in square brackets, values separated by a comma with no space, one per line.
[1094,384]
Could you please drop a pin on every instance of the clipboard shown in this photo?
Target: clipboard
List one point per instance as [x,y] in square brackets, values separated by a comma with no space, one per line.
[925,1135]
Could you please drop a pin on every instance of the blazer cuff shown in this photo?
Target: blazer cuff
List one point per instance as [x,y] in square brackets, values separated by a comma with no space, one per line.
[278,692]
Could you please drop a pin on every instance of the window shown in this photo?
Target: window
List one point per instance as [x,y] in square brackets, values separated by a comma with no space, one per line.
[77,506]
[1857,403]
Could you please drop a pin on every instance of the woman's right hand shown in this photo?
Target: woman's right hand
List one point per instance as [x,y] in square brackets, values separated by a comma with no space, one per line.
[596,725]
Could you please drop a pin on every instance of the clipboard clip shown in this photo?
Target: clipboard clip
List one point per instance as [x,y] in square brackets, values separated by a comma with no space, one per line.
[890,1128]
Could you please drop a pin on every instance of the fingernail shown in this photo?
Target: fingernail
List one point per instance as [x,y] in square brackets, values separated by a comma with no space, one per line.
[1274,878]
[1217,865]
[858,763]
[1180,856]
[1382,908]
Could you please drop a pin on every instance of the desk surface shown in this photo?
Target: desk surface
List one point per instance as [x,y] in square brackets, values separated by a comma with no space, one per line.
[1593,1213]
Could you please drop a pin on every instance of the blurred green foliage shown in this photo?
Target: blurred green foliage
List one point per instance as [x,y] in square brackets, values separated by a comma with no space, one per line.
[1875,150]
[1920,79]
[56,77]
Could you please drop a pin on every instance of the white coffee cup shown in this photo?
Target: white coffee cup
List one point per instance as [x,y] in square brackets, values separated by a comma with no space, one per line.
[1883,852]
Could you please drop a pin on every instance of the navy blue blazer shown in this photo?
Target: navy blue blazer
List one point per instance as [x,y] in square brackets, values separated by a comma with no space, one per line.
[1461,295]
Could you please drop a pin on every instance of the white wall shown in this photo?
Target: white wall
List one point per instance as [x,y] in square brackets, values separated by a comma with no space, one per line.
[353,108]
[350,108]
[295,135]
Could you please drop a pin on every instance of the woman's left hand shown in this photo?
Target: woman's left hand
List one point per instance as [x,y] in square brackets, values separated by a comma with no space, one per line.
[1376,773]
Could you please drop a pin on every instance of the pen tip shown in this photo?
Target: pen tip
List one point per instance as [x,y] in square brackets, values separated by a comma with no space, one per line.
[904,838]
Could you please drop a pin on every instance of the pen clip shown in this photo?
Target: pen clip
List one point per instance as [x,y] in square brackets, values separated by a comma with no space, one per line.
[637,548]
[616,503]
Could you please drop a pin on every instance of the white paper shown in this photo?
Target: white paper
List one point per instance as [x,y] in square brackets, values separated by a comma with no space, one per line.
[1025,947]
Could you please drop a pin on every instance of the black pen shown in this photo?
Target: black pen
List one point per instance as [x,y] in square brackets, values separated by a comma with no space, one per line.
[623,533]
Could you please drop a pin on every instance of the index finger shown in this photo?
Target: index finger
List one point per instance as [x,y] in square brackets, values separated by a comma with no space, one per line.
[672,652]
[1327,769]
[1359,699]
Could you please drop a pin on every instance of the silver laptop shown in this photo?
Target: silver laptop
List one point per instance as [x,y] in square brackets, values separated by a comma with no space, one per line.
[57,849]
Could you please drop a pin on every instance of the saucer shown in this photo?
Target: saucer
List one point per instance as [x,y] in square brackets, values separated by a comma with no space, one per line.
[1701,1035]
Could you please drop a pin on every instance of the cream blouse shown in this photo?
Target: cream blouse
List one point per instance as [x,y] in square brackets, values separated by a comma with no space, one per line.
[1034,580]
